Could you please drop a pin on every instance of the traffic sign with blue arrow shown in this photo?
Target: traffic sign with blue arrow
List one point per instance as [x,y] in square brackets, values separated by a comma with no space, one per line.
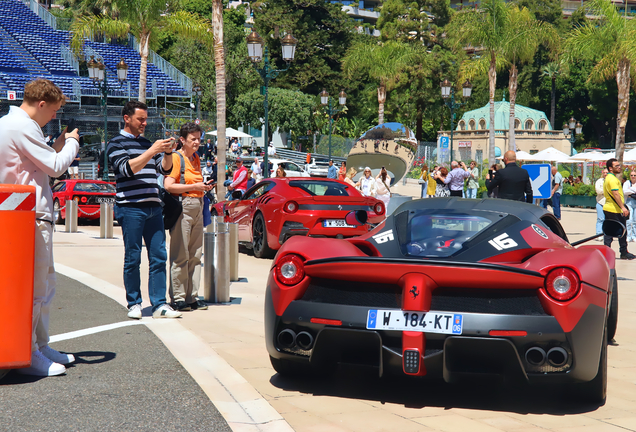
[541,179]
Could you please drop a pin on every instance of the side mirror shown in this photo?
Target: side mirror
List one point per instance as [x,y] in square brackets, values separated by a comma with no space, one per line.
[613,228]
[357,217]
[237,194]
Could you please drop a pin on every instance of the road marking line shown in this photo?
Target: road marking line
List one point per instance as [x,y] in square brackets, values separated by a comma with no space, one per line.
[92,330]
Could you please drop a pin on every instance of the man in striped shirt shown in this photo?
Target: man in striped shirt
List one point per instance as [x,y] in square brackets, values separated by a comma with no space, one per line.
[136,163]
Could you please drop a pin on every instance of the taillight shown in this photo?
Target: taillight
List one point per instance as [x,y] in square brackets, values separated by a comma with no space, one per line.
[84,199]
[291,207]
[562,284]
[378,208]
[290,269]
[76,198]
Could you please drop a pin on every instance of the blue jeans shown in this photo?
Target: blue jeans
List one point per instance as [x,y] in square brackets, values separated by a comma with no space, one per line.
[631,222]
[600,218]
[556,205]
[471,193]
[145,223]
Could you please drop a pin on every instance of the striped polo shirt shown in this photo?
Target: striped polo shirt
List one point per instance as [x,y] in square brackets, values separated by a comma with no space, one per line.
[135,189]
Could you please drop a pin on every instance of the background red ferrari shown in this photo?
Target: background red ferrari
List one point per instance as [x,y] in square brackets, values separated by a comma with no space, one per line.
[89,194]
[276,209]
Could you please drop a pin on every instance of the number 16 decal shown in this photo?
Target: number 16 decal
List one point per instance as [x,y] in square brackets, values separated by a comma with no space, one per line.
[503,242]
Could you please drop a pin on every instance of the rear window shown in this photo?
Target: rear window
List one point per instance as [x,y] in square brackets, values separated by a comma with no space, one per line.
[435,233]
[94,187]
[321,188]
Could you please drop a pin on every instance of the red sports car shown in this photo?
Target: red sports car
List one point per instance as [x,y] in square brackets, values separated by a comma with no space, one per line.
[275,209]
[450,288]
[89,194]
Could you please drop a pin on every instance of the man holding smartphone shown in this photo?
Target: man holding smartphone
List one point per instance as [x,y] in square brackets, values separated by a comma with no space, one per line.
[136,163]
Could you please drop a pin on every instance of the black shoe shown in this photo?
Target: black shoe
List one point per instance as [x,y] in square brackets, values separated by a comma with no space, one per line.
[628,256]
[198,305]
[181,306]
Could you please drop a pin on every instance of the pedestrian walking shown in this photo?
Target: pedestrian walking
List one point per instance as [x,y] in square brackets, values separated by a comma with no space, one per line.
[441,188]
[27,159]
[473,181]
[332,171]
[615,207]
[600,202]
[342,172]
[629,190]
[186,236]
[431,183]
[366,184]
[555,193]
[239,179]
[513,181]
[455,178]
[136,163]
[257,172]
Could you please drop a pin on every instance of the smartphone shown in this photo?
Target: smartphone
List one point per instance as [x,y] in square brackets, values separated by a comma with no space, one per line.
[490,172]
[210,182]
[71,125]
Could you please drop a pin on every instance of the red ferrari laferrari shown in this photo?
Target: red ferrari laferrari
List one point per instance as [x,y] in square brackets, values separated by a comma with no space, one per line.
[449,288]
[275,209]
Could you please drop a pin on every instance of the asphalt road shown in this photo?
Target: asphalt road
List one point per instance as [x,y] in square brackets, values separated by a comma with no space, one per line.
[123,379]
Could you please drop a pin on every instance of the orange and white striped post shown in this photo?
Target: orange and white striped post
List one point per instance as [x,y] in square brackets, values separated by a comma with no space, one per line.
[17,240]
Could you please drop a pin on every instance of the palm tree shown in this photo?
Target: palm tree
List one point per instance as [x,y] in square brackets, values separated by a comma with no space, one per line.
[485,29]
[219,65]
[523,35]
[381,62]
[145,19]
[611,42]
[551,71]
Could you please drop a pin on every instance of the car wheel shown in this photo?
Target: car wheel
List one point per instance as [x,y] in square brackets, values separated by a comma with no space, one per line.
[4,372]
[57,213]
[612,316]
[595,391]
[259,238]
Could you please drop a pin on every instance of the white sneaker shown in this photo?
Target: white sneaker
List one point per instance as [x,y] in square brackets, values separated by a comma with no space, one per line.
[165,311]
[134,311]
[56,356]
[41,366]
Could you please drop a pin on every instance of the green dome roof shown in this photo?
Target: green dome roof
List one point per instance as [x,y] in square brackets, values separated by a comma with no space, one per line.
[529,119]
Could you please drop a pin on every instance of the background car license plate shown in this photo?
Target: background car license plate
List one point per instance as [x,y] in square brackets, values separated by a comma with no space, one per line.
[336,223]
[105,200]
[426,322]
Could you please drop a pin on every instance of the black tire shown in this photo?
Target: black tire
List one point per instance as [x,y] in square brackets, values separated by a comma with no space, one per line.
[57,214]
[3,373]
[612,315]
[259,238]
[595,391]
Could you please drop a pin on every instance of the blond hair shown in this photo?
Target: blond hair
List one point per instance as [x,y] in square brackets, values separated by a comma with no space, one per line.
[43,90]
[352,171]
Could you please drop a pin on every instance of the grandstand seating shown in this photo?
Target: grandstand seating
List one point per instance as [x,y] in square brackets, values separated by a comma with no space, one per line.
[30,48]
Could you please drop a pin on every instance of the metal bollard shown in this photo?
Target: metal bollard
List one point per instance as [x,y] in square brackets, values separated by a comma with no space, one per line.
[216,267]
[71,216]
[234,252]
[213,225]
[105,220]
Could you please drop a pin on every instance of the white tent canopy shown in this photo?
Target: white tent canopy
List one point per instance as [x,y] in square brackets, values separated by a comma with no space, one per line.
[524,156]
[232,133]
[592,156]
[629,156]
[550,155]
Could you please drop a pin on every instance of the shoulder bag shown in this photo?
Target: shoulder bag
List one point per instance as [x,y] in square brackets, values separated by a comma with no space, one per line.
[171,204]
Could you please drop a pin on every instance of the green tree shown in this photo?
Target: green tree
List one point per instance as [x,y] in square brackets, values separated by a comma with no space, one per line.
[324,33]
[145,19]
[552,71]
[418,21]
[610,42]
[381,63]
[289,110]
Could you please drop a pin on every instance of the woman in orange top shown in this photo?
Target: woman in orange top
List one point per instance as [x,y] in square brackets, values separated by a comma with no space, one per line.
[186,237]
[342,173]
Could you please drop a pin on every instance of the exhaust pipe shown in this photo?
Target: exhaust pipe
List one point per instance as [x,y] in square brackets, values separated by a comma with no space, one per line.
[535,356]
[305,340]
[557,356]
[287,338]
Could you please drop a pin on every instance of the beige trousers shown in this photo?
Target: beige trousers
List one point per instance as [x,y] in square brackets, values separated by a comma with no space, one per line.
[186,248]
[43,284]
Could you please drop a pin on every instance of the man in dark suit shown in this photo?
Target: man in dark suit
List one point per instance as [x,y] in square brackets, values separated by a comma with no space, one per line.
[513,181]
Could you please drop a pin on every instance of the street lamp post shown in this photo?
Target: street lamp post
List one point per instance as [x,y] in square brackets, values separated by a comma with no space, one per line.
[326,101]
[198,91]
[572,126]
[257,52]
[97,72]
[448,94]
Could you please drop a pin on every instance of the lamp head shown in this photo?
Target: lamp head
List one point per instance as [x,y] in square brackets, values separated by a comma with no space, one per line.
[289,47]
[122,70]
[255,47]
[446,88]
[467,89]
[324,97]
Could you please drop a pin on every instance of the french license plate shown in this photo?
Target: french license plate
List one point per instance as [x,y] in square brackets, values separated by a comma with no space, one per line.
[105,200]
[336,223]
[425,322]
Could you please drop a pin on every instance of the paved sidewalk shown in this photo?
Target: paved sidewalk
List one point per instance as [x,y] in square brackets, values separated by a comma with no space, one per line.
[223,349]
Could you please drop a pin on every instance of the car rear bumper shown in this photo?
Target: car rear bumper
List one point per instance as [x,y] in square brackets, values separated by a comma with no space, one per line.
[474,353]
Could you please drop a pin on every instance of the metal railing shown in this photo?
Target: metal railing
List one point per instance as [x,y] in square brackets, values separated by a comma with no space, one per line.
[182,79]
[70,58]
[41,11]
